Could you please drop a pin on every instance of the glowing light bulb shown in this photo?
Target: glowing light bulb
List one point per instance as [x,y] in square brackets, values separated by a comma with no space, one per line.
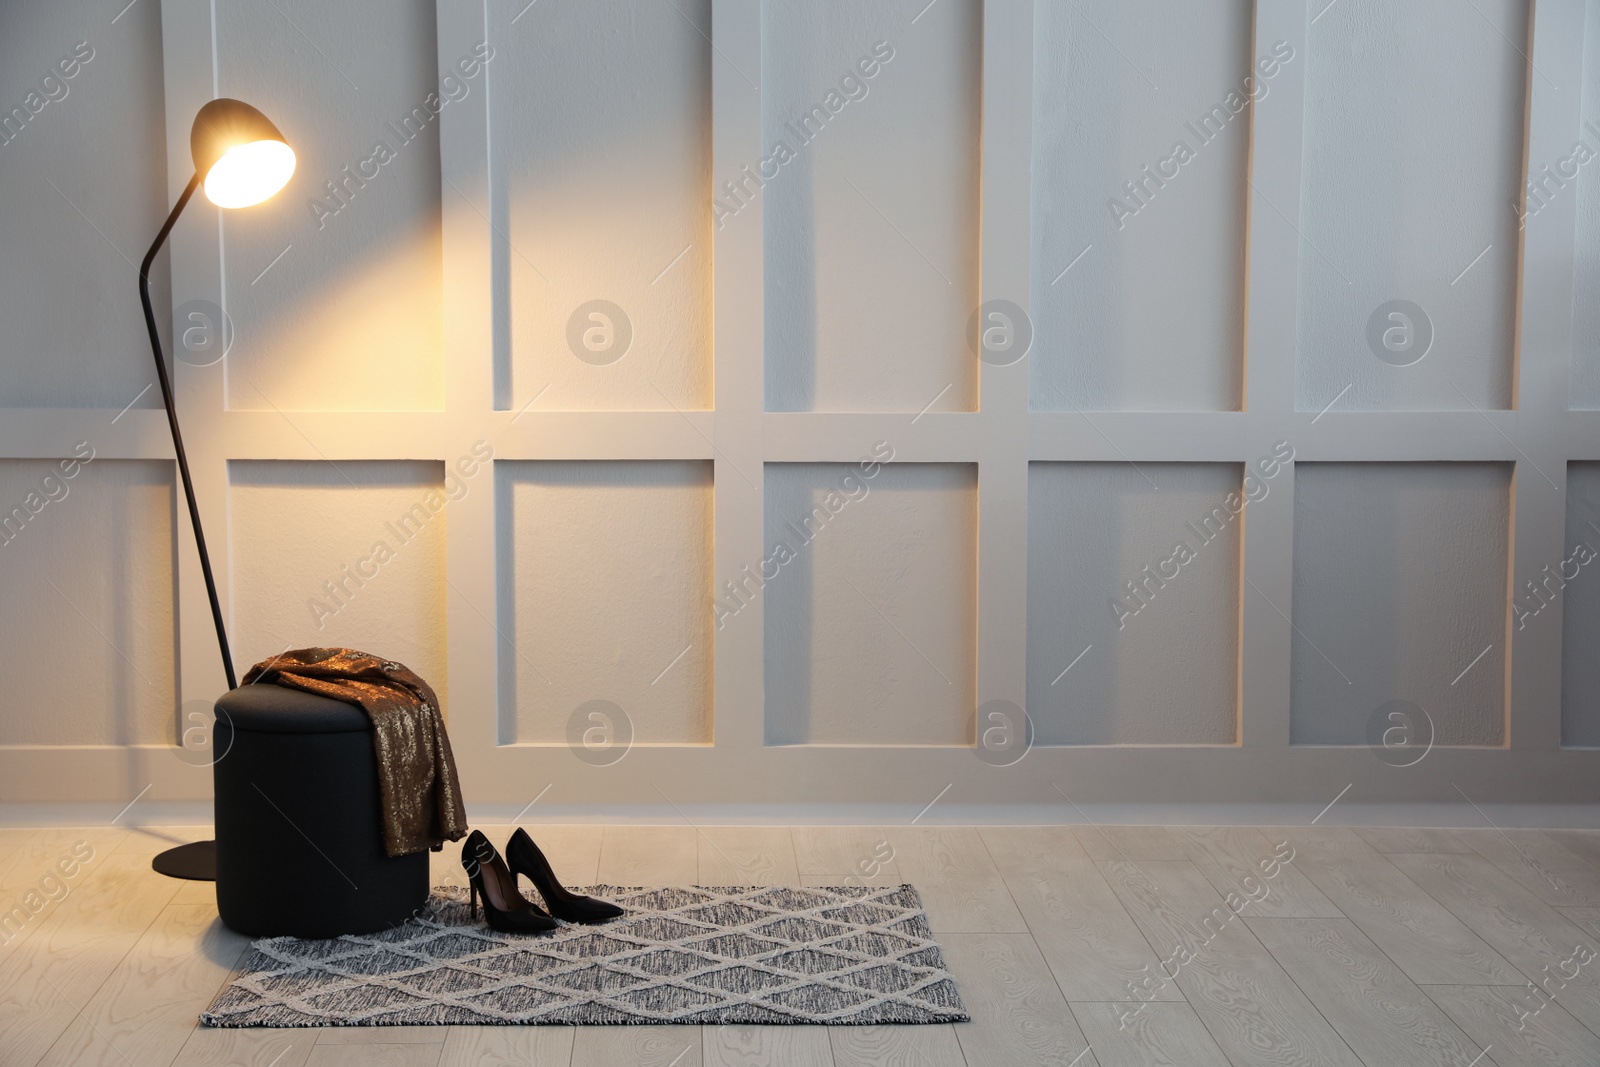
[249,173]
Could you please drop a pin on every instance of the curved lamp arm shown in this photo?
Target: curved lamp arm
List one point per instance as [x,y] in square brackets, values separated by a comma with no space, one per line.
[172,421]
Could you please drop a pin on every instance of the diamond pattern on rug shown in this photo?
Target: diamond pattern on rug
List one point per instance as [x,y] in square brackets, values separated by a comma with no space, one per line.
[846,955]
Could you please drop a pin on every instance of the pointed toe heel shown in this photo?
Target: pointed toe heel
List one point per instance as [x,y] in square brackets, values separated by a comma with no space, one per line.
[525,858]
[504,909]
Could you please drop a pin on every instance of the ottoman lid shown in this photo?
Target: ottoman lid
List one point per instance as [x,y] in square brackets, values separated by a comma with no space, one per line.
[275,709]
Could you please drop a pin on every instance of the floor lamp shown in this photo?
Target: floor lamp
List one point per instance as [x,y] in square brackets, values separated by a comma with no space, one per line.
[241,159]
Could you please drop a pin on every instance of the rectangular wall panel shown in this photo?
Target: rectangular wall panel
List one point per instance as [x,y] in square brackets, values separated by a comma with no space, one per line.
[350,317]
[870,594]
[1576,581]
[78,93]
[1400,594]
[88,644]
[1133,601]
[869,195]
[1409,192]
[600,143]
[605,586]
[1575,174]
[1142,118]
[344,555]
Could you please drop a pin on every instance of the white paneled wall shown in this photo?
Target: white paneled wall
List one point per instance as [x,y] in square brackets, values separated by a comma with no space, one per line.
[1399,587]
[870,607]
[1411,165]
[74,230]
[603,197]
[341,554]
[642,336]
[607,567]
[1584,189]
[1156,624]
[1140,152]
[871,128]
[1569,580]
[350,317]
[88,631]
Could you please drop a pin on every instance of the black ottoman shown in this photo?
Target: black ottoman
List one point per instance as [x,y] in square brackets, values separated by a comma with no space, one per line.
[299,820]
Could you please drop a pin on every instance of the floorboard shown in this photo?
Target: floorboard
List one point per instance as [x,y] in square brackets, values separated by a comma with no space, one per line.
[1492,1016]
[146,841]
[746,855]
[1135,843]
[1052,933]
[896,1046]
[508,1046]
[14,843]
[758,1046]
[1257,1015]
[1241,859]
[1541,864]
[145,1010]
[46,870]
[1412,839]
[1018,1014]
[844,855]
[1380,1013]
[247,1048]
[1530,933]
[960,886]
[48,980]
[648,855]
[203,893]
[381,1035]
[1419,933]
[375,1055]
[1157,1035]
[1585,919]
[636,1046]
[1585,843]
[1091,943]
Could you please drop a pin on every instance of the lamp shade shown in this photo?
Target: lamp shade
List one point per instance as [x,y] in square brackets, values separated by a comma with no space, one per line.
[239,153]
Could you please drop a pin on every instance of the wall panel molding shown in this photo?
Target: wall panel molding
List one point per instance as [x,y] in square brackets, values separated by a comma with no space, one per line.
[476,378]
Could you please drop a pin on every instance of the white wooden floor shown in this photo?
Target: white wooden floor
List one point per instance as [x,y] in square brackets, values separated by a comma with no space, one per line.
[1389,948]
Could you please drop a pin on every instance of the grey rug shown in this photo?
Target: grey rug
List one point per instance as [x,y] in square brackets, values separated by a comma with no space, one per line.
[684,954]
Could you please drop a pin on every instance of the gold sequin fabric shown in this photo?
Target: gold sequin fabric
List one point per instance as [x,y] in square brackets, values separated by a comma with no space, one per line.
[421,792]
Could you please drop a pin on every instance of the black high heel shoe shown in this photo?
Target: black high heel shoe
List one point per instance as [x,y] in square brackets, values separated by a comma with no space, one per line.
[525,858]
[504,908]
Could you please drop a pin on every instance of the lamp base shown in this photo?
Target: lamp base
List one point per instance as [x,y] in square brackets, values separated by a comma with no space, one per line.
[196,862]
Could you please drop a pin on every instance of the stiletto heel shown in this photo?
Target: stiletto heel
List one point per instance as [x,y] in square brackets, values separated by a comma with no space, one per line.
[504,908]
[524,857]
